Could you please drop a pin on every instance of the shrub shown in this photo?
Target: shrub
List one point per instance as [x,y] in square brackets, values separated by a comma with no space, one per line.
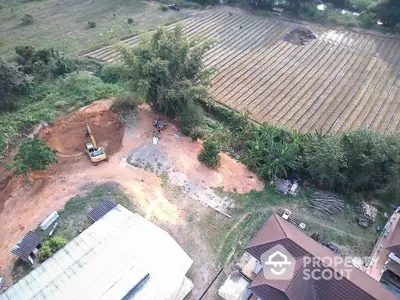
[57,242]
[324,160]
[370,157]
[50,247]
[262,12]
[112,73]
[92,24]
[33,155]
[195,135]
[163,7]
[210,154]
[368,18]
[43,63]
[190,118]
[125,101]
[362,5]
[27,19]
[11,83]
[44,252]
[130,21]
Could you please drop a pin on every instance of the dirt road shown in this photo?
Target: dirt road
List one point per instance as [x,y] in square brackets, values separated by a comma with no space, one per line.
[26,206]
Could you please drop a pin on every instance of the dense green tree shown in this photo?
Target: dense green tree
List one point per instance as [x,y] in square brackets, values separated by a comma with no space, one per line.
[11,82]
[388,11]
[44,63]
[167,70]
[370,159]
[324,160]
[33,155]
[296,5]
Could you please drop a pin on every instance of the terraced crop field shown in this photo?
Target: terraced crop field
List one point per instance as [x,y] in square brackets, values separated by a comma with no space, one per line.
[338,81]
[63,24]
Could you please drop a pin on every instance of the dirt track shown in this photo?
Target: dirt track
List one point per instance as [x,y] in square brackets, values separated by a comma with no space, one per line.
[26,206]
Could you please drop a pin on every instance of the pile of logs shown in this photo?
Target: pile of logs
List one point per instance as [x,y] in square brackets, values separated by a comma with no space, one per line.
[328,203]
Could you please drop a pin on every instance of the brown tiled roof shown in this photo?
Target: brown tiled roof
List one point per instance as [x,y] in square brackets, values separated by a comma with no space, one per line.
[394,243]
[357,285]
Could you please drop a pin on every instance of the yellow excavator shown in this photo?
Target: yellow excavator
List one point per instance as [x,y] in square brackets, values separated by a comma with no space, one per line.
[96,154]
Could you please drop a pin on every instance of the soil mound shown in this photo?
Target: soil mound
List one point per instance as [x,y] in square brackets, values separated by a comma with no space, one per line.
[300,36]
[68,134]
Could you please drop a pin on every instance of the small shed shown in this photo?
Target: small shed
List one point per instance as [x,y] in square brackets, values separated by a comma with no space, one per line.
[28,247]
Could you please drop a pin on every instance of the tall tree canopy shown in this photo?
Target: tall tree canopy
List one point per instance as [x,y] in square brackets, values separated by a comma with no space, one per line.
[388,11]
[167,70]
[11,81]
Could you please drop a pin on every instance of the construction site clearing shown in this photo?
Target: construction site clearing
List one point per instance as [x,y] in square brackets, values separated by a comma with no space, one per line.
[24,207]
[168,186]
[137,164]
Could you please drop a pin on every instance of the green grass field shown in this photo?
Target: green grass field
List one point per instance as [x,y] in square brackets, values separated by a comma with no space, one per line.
[64,24]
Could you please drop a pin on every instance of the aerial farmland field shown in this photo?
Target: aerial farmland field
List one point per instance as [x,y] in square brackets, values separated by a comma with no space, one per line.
[63,25]
[339,81]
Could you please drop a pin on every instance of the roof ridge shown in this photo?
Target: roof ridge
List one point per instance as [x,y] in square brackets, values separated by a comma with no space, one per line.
[279,219]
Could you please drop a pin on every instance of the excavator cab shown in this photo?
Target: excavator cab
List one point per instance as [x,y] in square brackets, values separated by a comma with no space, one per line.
[96,154]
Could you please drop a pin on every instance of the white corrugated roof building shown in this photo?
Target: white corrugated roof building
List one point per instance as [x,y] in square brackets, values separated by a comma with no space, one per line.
[121,256]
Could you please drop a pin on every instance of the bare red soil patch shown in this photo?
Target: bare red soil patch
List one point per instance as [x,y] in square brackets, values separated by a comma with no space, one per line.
[68,134]
[26,206]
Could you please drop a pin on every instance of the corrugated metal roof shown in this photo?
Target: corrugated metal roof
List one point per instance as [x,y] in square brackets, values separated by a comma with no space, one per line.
[106,261]
[30,241]
[100,210]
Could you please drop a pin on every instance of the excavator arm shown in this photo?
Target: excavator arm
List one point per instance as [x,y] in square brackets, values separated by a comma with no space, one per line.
[89,132]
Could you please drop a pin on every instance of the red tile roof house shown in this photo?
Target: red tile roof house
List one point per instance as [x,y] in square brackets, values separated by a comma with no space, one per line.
[355,284]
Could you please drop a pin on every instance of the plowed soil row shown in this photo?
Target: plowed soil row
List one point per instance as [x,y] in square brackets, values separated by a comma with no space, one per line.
[340,81]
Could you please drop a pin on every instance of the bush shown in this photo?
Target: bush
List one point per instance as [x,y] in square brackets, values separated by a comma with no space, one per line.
[50,247]
[271,152]
[190,118]
[27,19]
[195,135]
[210,154]
[92,24]
[12,82]
[368,19]
[130,21]
[362,5]
[196,4]
[370,158]
[262,12]
[324,161]
[57,242]
[163,7]
[33,155]
[44,252]
[125,101]
[43,63]
[112,73]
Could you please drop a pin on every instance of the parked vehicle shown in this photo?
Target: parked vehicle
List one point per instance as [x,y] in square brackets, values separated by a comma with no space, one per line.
[174,6]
